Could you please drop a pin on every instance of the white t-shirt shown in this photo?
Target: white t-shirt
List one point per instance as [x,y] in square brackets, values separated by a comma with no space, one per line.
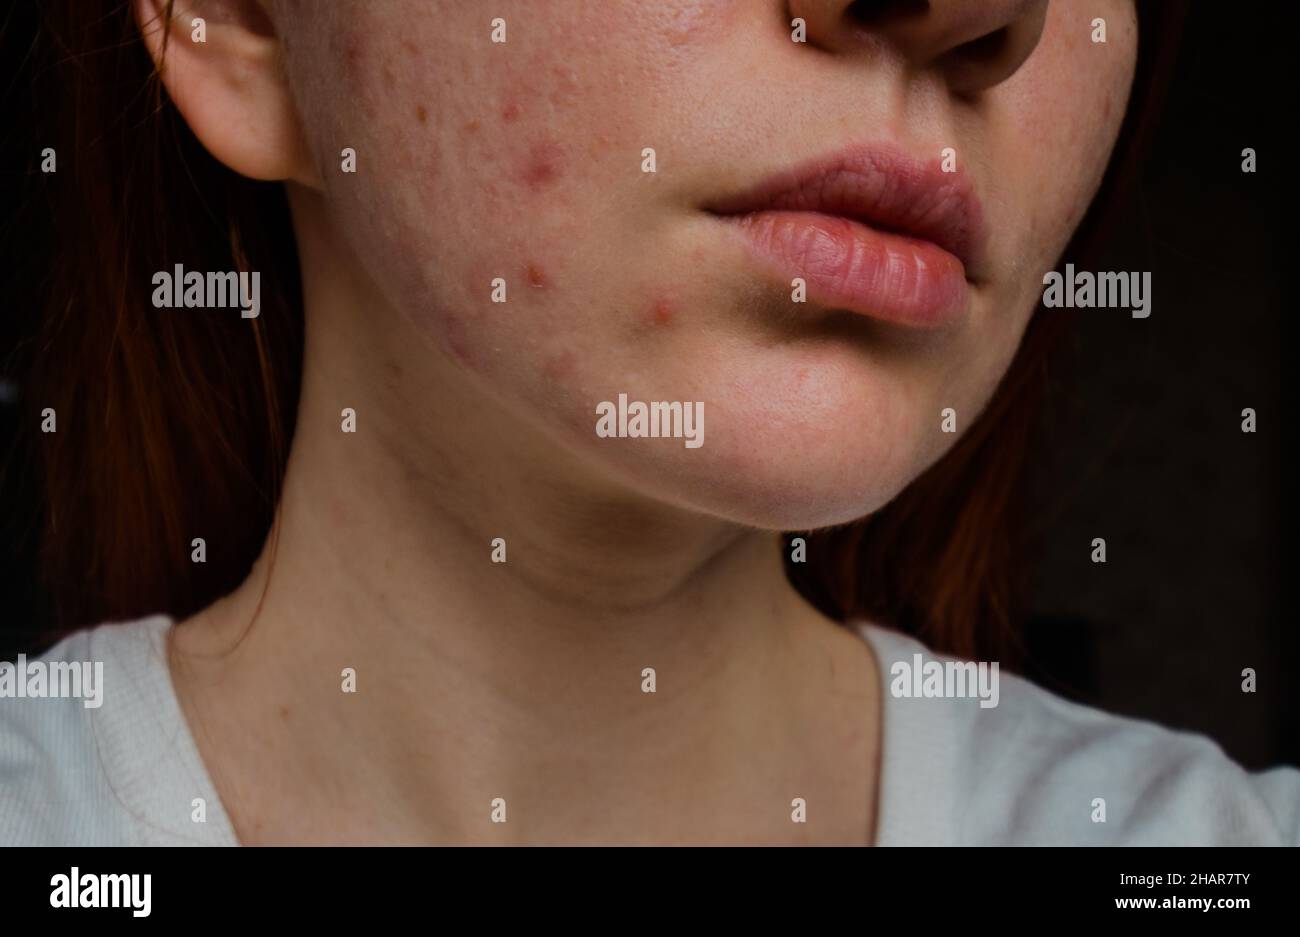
[1034,769]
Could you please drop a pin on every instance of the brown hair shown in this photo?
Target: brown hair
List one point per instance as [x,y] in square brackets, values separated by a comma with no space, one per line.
[174,425]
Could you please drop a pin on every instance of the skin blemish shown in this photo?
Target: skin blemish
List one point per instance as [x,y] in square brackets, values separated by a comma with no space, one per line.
[542,166]
[559,366]
[353,51]
[454,335]
[472,126]
[661,314]
[536,276]
[389,79]
[421,114]
[510,112]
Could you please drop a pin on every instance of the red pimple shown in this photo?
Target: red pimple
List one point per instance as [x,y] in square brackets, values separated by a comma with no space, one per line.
[510,112]
[536,276]
[661,314]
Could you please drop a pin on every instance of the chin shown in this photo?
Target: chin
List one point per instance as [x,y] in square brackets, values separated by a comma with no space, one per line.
[779,470]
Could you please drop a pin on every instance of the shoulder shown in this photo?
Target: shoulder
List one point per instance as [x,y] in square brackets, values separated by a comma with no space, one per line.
[1037,769]
[85,733]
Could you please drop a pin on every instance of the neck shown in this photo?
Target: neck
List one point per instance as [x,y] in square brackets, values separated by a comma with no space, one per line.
[518,629]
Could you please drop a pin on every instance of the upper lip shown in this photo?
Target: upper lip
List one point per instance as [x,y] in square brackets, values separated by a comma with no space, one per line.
[883,187]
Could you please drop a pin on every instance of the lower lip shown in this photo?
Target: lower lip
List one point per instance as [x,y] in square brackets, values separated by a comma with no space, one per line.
[848,265]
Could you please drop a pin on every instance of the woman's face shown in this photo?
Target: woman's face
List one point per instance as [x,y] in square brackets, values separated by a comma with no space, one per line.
[525,160]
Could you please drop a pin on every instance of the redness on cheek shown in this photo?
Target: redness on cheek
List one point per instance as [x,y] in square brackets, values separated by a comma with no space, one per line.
[542,166]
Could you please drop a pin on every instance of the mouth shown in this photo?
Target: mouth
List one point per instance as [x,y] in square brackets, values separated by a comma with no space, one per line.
[870,230]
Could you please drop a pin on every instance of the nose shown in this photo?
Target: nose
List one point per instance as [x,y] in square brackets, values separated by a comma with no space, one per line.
[974,44]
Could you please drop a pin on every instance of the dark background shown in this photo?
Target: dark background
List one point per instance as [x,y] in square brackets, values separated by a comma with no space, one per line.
[1140,440]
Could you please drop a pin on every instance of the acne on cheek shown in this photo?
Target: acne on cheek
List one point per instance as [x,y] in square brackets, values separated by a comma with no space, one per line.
[542,166]
[536,276]
[661,314]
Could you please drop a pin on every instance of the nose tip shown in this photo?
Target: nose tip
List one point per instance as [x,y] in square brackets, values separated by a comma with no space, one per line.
[973,44]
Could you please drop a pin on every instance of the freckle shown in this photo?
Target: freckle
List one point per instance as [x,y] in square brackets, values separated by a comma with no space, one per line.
[389,80]
[536,276]
[421,114]
[410,47]
[284,713]
[542,166]
[510,113]
[472,126]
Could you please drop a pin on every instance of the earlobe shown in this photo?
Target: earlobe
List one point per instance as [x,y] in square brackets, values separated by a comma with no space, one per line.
[220,61]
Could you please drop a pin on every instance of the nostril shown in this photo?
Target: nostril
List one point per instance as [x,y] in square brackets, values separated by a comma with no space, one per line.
[987,48]
[879,12]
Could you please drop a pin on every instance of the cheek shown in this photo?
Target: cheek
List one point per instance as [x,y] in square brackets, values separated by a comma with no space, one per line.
[468,175]
[1054,129]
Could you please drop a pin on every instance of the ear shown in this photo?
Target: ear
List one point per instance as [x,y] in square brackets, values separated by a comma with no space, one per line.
[231,88]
